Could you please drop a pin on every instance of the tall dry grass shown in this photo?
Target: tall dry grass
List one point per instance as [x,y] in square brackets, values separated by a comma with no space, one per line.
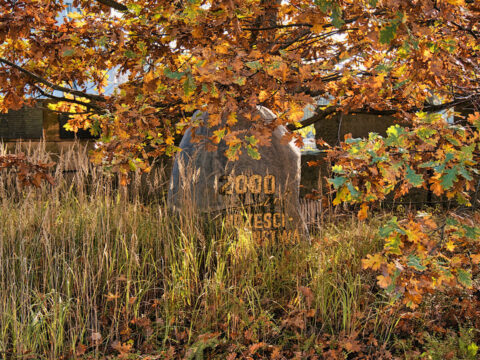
[85,266]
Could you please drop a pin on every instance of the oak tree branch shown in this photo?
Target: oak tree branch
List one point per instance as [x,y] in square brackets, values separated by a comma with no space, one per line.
[50,84]
[113,4]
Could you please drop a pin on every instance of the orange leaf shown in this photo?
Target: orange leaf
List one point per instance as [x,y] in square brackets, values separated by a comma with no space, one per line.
[475,258]
[384,281]
[363,212]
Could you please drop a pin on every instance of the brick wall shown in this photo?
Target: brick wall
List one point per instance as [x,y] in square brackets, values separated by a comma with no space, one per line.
[26,123]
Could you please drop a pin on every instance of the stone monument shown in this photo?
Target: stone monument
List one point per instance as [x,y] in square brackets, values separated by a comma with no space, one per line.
[260,194]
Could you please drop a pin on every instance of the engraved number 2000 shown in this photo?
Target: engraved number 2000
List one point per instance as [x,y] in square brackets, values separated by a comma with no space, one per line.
[255,184]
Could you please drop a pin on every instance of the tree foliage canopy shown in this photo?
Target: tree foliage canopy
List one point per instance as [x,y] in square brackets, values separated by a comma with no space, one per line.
[226,57]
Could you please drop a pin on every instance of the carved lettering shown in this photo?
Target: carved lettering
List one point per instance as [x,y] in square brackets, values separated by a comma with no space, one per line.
[265,226]
[255,184]
[227,188]
[277,217]
[241,184]
[258,223]
[269,184]
[267,220]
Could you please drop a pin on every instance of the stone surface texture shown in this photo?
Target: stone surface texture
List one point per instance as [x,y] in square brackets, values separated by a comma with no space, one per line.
[199,175]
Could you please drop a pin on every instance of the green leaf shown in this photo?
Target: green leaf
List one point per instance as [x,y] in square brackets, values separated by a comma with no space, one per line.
[452,140]
[353,141]
[173,74]
[189,85]
[337,181]
[428,164]
[103,41]
[254,65]
[398,85]
[468,150]
[354,192]
[392,245]
[413,178]
[389,227]
[472,350]
[449,157]
[388,33]
[232,151]
[132,165]
[424,132]
[68,52]
[252,140]
[96,130]
[449,178]
[135,8]
[471,232]
[415,262]
[241,80]
[324,5]
[451,222]
[253,152]
[462,199]
[464,172]
[464,278]
[130,54]
[337,20]
[394,133]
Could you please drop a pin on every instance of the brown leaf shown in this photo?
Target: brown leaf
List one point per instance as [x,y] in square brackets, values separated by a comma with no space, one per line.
[80,349]
[96,337]
[308,294]
[123,348]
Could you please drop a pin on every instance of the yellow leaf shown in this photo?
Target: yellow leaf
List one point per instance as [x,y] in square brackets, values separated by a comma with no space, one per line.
[450,245]
[149,77]
[263,96]
[295,114]
[232,118]
[373,262]
[74,15]
[400,70]
[222,48]
[427,54]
